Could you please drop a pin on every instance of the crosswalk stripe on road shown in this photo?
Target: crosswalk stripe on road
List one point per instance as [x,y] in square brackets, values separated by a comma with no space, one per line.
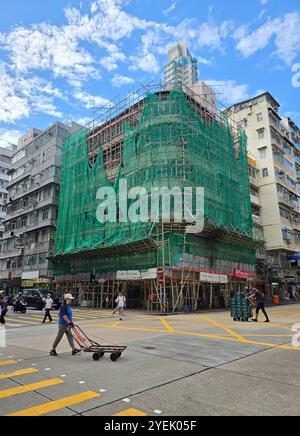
[53,406]
[8,362]
[29,388]
[18,373]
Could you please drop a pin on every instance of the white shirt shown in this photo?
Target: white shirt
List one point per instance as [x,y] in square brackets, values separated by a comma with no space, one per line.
[49,303]
[121,300]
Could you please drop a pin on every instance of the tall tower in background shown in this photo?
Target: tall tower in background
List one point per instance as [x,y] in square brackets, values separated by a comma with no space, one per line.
[182,67]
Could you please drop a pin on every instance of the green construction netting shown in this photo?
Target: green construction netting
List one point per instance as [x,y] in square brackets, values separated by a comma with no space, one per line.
[170,146]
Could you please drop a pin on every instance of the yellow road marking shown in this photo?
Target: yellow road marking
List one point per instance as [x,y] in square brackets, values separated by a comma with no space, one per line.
[231,332]
[202,335]
[265,325]
[246,341]
[131,412]
[167,325]
[121,327]
[18,373]
[22,321]
[116,324]
[53,406]
[29,388]
[8,362]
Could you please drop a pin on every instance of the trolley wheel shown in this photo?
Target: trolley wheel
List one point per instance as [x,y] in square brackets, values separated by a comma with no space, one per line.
[97,357]
[234,319]
[114,357]
[102,354]
[119,355]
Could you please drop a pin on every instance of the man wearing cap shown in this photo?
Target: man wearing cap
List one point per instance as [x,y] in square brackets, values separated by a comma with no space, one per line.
[65,323]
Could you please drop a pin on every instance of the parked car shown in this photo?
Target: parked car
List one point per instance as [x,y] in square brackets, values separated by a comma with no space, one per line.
[36,298]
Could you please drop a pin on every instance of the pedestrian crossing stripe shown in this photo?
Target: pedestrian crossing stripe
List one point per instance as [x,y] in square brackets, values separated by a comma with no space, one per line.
[18,373]
[8,362]
[29,388]
[18,320]
[53,406]
[131,412]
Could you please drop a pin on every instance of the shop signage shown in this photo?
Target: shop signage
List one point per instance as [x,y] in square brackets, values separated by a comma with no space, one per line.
[27,283]
[243,275]
[213,278]
[150,274]
[128,275]
[30,275]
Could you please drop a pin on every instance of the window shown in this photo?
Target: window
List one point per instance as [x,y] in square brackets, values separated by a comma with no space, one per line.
[261,134]
[263,152]
[243,124]
[252,172]
[259,117]
[265,172]
[45,214]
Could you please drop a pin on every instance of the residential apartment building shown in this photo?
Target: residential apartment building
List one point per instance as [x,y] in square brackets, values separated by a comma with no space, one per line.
[32,206]
[182,67]
[277,154]
[5,162]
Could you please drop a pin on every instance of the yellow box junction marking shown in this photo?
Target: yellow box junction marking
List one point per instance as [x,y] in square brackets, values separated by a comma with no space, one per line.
[29,388]
[18,373]
[167,325]
[53,406]
[231,332]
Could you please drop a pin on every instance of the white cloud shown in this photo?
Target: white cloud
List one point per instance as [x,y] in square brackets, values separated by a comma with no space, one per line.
[118,81]
[146,62]
[91,101]
[229,91]
[20,96]
[205,61]
[170,9]
[83,121]
[286,34]
[8,137]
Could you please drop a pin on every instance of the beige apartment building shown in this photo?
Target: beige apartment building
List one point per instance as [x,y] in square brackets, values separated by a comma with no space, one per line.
[274,153]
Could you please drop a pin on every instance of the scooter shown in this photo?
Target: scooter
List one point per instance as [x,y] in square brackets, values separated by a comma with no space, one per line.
[20,306]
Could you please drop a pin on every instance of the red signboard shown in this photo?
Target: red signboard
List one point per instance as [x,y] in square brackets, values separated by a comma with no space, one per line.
[243,275]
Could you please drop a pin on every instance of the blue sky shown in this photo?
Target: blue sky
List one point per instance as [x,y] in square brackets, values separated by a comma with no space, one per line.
[58,57]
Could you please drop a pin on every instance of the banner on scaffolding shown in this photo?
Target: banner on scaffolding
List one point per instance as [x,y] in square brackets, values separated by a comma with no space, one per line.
[213,278]
[137,275]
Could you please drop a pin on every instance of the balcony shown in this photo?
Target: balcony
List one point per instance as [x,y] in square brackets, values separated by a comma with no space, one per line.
[297,160]
[255,200]
[16,252]
[53,201]
[257,219]
[287,201]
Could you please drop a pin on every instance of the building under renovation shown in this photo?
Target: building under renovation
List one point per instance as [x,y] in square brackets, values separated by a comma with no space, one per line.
[160,139]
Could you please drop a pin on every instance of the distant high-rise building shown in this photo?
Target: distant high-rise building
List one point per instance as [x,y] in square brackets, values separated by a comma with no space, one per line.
[182,67]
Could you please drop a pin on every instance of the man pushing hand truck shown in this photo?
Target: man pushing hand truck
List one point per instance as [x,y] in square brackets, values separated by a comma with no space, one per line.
[65,324]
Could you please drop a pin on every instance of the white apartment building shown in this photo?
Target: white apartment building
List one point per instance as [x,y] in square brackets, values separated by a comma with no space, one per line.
[32,207]
[277,155]
[5,162]
[182,67]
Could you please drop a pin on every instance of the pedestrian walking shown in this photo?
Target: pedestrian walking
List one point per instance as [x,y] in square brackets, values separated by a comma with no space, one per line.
[48,308]
[3,307]
[260,300]
[65,323]
[121,303]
